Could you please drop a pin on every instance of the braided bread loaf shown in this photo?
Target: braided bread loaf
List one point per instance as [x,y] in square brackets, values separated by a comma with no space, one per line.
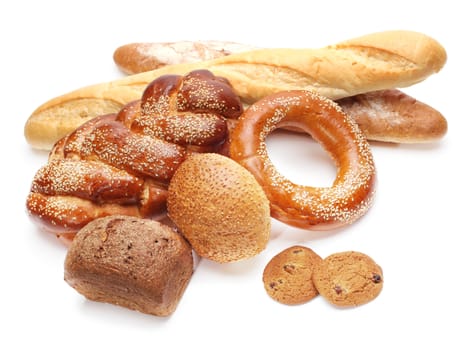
[122,163]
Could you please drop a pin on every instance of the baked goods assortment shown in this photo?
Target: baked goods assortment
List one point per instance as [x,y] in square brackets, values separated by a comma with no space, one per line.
[383,115]
[345,279]
[146,170]
[374,62]
[122,163]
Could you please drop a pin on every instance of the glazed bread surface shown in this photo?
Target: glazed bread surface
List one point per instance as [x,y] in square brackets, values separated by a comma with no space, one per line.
[122,163]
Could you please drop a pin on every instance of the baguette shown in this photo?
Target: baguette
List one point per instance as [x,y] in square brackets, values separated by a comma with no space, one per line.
[142,57]
[393,116]
[372,62]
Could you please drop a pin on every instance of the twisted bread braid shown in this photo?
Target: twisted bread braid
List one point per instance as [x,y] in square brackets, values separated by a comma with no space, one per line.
[122,164]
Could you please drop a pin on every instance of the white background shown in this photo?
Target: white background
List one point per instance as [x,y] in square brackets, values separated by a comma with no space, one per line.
[418,229]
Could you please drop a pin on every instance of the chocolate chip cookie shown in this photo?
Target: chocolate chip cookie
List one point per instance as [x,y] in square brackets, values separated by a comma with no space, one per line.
[348,278]
[287,277]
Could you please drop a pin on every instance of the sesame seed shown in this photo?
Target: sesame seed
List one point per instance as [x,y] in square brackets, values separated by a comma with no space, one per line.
[351,194]
[106,167]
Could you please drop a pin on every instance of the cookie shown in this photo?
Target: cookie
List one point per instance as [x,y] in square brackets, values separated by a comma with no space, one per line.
[348,278]
[287,277]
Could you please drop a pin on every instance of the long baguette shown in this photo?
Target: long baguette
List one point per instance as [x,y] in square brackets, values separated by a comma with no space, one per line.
[393,116]
[372,62]
[142,57]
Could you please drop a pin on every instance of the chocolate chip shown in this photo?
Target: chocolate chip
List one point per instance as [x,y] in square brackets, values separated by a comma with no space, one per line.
[377,278]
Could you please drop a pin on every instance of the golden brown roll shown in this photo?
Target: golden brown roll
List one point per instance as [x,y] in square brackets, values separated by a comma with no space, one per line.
[219,207]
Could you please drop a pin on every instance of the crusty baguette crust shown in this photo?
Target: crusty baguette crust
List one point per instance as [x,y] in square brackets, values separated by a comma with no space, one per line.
[393,116]
[142,57]
[376,61]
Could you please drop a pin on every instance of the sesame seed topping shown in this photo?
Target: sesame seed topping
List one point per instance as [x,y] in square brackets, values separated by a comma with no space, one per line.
[351,194]
[116,165]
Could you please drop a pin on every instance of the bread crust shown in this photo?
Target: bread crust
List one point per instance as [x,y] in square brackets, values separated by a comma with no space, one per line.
[393,116]
[122,163]
[219,207]
[315,208]
[136,263]
[372,62]
[142,57]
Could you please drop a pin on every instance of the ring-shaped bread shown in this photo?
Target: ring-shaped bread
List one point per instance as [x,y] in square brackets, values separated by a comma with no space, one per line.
[315,208]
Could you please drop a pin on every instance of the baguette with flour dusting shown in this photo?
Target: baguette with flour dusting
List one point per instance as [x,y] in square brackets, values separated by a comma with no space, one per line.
[142,57]
[377,61]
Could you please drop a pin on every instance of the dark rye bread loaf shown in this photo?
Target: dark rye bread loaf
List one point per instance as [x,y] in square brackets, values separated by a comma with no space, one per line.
[136,263]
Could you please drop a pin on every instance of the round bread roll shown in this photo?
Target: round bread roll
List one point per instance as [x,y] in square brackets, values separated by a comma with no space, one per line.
[219,207]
